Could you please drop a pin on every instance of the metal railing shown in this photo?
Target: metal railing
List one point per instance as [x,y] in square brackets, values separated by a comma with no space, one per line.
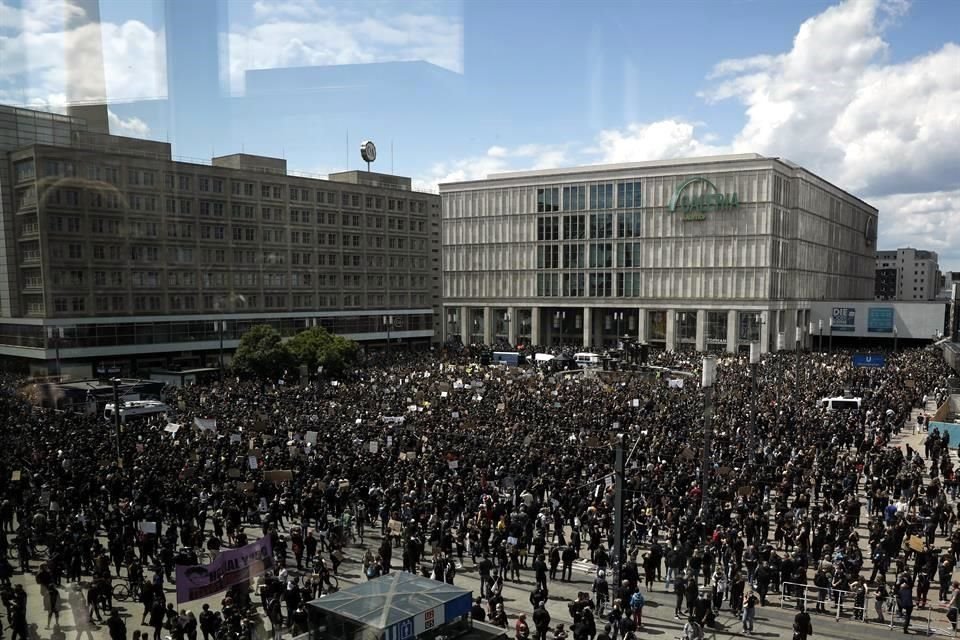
[842,605]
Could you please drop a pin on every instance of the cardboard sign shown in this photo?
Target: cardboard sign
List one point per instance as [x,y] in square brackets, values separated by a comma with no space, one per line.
[395,527]
[310,437]
[374,446]
[172,428]
[454,464]
[252,462]
[278,475]
[745,491]
[234,438]
[15,476]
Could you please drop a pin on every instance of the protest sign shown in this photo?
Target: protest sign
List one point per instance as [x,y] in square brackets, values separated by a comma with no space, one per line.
[278,475]
[231,567]
[148,527]
[252,462]
[206,424]
[172,428]
[310,437]
[234,438]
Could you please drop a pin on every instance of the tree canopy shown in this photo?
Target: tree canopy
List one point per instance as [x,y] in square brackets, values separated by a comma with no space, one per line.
[262,354]
[317,347]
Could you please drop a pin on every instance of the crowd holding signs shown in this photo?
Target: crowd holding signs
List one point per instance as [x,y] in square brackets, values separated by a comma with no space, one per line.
[449,458]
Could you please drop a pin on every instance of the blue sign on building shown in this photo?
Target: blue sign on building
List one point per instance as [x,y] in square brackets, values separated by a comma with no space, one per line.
[880,320]
[869,360]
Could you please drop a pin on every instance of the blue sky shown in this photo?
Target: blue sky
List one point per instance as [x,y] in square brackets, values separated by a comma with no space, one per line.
[863,92]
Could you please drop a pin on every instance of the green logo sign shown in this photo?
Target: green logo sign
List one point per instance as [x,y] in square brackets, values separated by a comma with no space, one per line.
[695,205]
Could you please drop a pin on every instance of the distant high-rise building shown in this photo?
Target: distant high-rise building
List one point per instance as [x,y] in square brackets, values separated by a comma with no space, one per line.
[907,274]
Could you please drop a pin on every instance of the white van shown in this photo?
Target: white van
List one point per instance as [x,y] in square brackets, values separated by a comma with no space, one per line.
[586,360]
[841,404]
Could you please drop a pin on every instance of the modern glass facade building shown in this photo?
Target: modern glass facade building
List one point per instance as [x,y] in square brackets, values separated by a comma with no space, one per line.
[711,253]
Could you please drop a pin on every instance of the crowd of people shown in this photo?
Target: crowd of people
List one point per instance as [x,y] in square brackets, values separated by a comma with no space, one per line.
[499,471]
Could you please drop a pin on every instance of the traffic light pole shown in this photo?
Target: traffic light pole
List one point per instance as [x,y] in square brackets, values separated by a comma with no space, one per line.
[618,515]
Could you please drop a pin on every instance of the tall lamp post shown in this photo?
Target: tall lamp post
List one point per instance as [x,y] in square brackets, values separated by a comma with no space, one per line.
[820,338]
[55,334]
[706,382]
[388,323]
[895,333]
[559,319]
[506,326]
[797,349]
[618,316]
[451,318]
[830,341]
[220,326]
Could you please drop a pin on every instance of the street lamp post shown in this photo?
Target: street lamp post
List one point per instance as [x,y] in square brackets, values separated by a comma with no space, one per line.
[707,380]
[618,316]
[820,338]
[55,334]
[895,334]
[799,332]
[450,320]
[116,418]
[506,325]
[220,326]
[830,340]
[754,364]
[388,322]
[558,321]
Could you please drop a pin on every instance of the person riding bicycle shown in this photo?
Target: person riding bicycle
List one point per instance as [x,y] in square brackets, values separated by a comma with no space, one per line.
[601,590]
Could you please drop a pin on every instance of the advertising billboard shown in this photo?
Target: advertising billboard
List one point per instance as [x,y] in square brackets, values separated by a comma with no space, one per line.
[844,319]
[880,320]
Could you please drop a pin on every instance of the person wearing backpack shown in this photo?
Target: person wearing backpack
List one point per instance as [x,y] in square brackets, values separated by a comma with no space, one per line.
[636,606]
[802,626]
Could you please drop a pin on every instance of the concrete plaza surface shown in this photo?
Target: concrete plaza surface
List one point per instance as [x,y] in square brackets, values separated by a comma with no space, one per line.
[772,621]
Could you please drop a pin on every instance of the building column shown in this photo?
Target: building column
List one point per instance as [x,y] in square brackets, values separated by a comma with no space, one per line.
[587,326]
[764,332]
[535,326]
[731,331]
[671,335]
[512,326]
[465,325]
[701,341]
[642,325]
[488,325]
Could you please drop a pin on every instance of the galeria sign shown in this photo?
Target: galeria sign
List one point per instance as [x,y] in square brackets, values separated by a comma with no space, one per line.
[694,202]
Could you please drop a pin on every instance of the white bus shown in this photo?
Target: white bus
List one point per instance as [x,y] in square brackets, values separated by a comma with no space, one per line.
[586,360]
[137,410]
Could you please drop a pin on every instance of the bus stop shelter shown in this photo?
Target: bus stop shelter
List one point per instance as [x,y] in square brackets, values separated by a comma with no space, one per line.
[397,606]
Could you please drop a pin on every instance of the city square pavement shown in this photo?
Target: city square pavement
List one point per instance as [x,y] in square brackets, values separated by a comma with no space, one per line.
[772,621]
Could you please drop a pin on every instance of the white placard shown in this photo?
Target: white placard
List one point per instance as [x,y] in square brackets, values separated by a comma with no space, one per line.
[172,428]
[235,438]
[635,402]
[148,527]
[389,441]
[374,446]
[252,462]
[206,424]
[454,464]
[311,437]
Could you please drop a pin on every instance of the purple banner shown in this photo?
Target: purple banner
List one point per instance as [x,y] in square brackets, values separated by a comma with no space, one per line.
[231,567]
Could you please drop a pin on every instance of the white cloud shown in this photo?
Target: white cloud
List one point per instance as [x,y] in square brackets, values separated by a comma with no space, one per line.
[133,127]
[36,41]
[671,138]
[497,159]
[303,33]
[922,220]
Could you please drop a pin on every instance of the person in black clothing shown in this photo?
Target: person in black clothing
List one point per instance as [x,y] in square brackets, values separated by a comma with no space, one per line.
[679,588]
[554,562]
[209,623]
[541,621]
[567,557]
[476,612]
[802,626]
[116,625]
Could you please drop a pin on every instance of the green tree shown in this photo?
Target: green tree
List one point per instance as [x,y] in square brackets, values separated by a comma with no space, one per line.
[317,347]
[261,354]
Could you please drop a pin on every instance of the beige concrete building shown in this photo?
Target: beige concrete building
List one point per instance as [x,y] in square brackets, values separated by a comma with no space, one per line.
[907,274]
[118,256]
[707,253]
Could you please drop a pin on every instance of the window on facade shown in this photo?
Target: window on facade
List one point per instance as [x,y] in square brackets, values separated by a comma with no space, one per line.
[548,284]
[601,225]
[601,196]
[573,256]
[628,195]
[601,255]
[548,256]
[548,199]
[628,224]
[628,284]
[574,227]
[548,228]
[574,198]
[573,285]
[628,255]
[601,284]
